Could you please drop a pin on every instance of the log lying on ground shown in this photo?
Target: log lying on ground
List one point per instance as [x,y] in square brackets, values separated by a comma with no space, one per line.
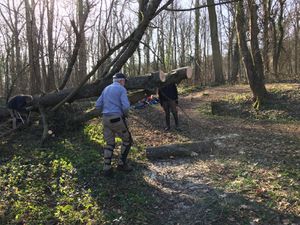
[188,149]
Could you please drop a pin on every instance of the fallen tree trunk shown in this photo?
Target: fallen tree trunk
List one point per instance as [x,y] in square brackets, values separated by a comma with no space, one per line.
[147,84]
[188,149]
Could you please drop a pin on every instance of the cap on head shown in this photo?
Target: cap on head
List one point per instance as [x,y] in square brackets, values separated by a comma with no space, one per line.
[119,76]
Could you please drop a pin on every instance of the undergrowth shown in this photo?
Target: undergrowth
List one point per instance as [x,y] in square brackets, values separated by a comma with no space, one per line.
[61,183]
[282,106]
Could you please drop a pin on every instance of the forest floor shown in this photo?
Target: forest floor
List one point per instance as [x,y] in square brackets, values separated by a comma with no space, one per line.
[250,176]
[244,179]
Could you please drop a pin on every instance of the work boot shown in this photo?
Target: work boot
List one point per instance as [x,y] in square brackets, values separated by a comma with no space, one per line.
[108,173]
[125,168]
[167,128]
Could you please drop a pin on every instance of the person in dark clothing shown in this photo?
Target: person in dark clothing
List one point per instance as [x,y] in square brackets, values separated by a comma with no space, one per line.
[17,106]
[19,102]
[168,98]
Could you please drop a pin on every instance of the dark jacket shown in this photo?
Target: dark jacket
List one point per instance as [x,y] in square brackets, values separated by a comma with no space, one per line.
[17,103]
[168,93]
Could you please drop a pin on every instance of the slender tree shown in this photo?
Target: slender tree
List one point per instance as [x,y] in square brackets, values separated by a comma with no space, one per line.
[82,11]
[278,33]
[197,73]
[296,33]
[33,50]
[266,34]
[50,79]
[255,50]
[217,57]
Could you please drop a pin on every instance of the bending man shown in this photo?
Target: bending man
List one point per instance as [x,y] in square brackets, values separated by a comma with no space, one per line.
[17,106]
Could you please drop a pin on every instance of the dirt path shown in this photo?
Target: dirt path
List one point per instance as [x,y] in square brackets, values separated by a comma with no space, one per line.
[188,188]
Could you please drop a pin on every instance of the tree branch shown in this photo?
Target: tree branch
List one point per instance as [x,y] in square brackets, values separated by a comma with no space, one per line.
[200,7]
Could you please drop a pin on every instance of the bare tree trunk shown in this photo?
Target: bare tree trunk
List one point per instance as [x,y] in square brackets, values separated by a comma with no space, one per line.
[297,38]
[41,47]
[22,88]
[82,55]
[147,51]
[161,45]
[7,77]
[32,34]
[235,63]
[278,38]
[256,83]
[205,49]
[50,79]
[255,50]
[182,44]
[197,73]
[230,49]
[266,36]
[217,57]
[2,79]
[175,38]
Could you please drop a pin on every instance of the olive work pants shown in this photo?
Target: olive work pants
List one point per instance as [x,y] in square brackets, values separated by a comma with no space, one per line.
[115,126]
[170,106]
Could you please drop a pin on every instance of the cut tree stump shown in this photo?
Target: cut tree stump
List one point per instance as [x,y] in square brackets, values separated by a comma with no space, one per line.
[188,149]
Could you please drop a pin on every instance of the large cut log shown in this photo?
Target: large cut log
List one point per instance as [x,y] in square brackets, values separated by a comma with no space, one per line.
[147,83]
[188,149]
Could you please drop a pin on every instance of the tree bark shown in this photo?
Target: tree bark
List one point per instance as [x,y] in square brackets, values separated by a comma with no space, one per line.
[256,83]
[50,79]
[197,72]
[82,55]
[255,50]
[266,30]
[217,57]
[296,28]
[235,63]
[278,38]
[32,34]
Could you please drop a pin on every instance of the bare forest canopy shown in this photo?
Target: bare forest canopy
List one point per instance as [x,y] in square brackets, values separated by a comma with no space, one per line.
[57,45]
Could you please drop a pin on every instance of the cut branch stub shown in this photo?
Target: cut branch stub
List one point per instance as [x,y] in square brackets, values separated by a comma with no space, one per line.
[162,76]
